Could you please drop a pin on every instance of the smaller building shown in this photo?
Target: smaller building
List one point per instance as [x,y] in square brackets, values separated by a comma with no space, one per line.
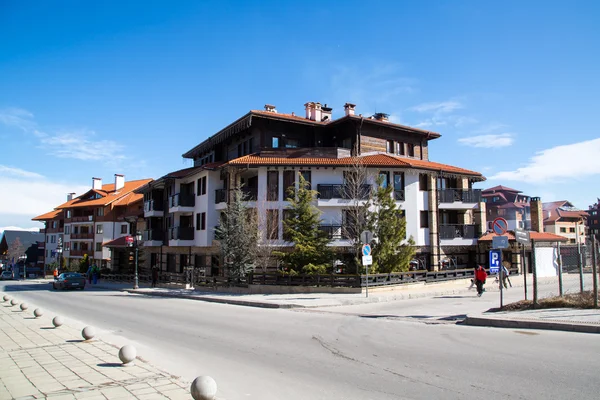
[593,220]
[29,247]
[508,203]
[563,219]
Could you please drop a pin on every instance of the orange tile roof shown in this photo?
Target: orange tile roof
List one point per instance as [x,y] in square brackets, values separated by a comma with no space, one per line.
[537,236]
[288,116]
[108,195]
[49,215]
[375,160]
[128,199]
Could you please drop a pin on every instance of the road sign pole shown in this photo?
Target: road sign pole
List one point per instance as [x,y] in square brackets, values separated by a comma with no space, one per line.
[534,270]
[367,287]
[560,277]
[500,275]
[524,269]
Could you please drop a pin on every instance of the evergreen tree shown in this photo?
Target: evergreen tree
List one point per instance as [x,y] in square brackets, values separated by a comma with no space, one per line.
[310,253]
[238,236]
[390,251]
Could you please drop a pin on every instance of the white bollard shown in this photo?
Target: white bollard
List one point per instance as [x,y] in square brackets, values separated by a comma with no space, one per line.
[6,297]
[24,306]
[88,333]
[38,312]
[14,302]
[57,321]
[127,355]
[204,388]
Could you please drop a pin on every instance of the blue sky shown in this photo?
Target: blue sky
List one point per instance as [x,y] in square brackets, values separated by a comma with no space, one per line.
[98,88]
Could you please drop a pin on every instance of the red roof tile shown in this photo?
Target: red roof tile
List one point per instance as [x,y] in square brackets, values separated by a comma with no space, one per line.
[537,236]
[49,215]
[108,195]
[501,188]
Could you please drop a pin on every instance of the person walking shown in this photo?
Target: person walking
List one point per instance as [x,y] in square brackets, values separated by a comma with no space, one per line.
[505,278]
[89,274]
[154,276]
[480,277]
[55,273]
[95,272]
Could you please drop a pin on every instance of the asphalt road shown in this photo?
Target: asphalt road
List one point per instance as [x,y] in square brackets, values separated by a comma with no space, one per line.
[361,352]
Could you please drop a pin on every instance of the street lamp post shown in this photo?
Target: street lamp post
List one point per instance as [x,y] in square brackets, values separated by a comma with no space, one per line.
[138,239]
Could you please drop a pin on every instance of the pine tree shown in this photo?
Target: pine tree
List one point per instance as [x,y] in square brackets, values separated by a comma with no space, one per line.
[390,251]
[238,235]
[310,253]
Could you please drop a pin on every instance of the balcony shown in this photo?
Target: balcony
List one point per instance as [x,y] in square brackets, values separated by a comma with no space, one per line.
[459,234]
[81,253]
[83,218]
[344,192]
[249,193]
[220,196]
[459,198]
[333,231]
[399,195]
[153,237]
[153,208]
[85,236]
[181,233]
[182,202]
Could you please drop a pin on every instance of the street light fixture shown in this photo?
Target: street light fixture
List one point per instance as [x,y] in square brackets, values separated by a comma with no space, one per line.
[138,239]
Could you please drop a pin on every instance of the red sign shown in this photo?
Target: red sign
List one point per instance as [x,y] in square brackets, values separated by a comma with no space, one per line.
[499,226]
[129,239]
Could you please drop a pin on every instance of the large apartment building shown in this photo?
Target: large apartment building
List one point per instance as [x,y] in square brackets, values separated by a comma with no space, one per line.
[54,225]
[593,220]
[563,219]
[89,221]
[508,203]
[264,151]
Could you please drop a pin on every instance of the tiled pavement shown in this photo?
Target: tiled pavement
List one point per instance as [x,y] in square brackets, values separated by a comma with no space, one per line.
[39,361]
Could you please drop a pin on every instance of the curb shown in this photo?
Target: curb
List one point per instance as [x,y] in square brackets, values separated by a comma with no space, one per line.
[531,324]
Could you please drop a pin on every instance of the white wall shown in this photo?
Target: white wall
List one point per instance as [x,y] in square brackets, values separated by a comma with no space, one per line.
[546,261]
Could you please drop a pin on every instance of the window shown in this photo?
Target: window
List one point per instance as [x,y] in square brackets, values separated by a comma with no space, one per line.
[424,219]
[398,180]
[423,182]
[411,149]
[307,177]
[272,185]
[250,145]
[123,229]
[68,213]
[67,246]
[347,143]
[390,146]
[203,185]
[572,230]
[201,221]
[273,224]
[573,241]
[47,253]
[400,148]
[100,212]
[53,224]
[287,214]
[275,142]
[292,143]
[563,230]
[99,229]
[384,178]
[99,246]
[53,239]
[289,180]
[67,229]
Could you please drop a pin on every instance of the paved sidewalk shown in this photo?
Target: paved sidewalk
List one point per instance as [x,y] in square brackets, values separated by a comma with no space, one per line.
[38,361]
[560,319]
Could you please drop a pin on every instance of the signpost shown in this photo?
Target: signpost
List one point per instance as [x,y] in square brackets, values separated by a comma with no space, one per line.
[499,226]
[495,261]
[367,259]
[522,236]
[500,242]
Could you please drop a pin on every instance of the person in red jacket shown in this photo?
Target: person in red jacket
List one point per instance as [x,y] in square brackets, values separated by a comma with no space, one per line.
[480,277]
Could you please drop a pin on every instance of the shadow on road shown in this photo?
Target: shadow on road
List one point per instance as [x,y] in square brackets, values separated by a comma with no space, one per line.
[109,365]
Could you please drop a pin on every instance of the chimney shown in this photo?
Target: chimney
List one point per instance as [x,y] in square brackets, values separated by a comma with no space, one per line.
[381,117]
[70,196]
[270,108]
[537,216]
[326,113]
[349,108]
[119,181]
[313,111]
[97,183]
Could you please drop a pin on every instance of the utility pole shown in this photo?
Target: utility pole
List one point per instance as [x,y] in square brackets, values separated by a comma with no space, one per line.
[579,260]
[560,277]
[595,269]
[534,270]
[524,269]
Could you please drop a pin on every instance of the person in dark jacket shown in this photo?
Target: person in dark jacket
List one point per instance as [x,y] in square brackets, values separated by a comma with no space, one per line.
[480,277]
[154,276]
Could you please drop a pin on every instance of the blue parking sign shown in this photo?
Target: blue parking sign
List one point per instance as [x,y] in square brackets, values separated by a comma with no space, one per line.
[495,258]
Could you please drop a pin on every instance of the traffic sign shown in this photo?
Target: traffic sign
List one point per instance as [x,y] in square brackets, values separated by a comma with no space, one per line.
[495,260]
[366,250]
[500,242]
[366,236]
[129,240]
[367,260]
[522,236]
[499,226]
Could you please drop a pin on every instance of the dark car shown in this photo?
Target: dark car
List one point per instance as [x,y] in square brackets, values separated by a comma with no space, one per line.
[7,275]
[69,280]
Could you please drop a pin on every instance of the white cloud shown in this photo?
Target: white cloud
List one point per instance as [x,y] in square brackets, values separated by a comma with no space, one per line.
[18,172]
[438,107]
[569,162]
[79,144]
[488,141]
[16,228]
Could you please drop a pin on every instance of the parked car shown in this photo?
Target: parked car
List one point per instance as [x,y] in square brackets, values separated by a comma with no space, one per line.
[7,275]
[69,280]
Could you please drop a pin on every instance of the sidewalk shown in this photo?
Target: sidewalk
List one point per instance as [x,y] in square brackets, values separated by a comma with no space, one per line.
[38,361]
[558,319]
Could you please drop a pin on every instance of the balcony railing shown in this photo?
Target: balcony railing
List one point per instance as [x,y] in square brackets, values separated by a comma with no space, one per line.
[87,235]
[153,235]
[327,192]
[84,218]
[459,195]
[220,196]
[182,200]
[454,231]
[399,195]
[334,231]
[81,253]
[181,233]
[153,205]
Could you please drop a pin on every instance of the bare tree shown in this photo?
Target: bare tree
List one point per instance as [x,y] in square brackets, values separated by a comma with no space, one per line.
[267,225]
[15,250]
[360,193]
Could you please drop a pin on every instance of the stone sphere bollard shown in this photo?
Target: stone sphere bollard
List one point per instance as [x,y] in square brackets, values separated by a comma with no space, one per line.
[14,302]
[24,306]
[127,355]
[6,297]
[204,388]
[88,333]
[57,321]
[38,312]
